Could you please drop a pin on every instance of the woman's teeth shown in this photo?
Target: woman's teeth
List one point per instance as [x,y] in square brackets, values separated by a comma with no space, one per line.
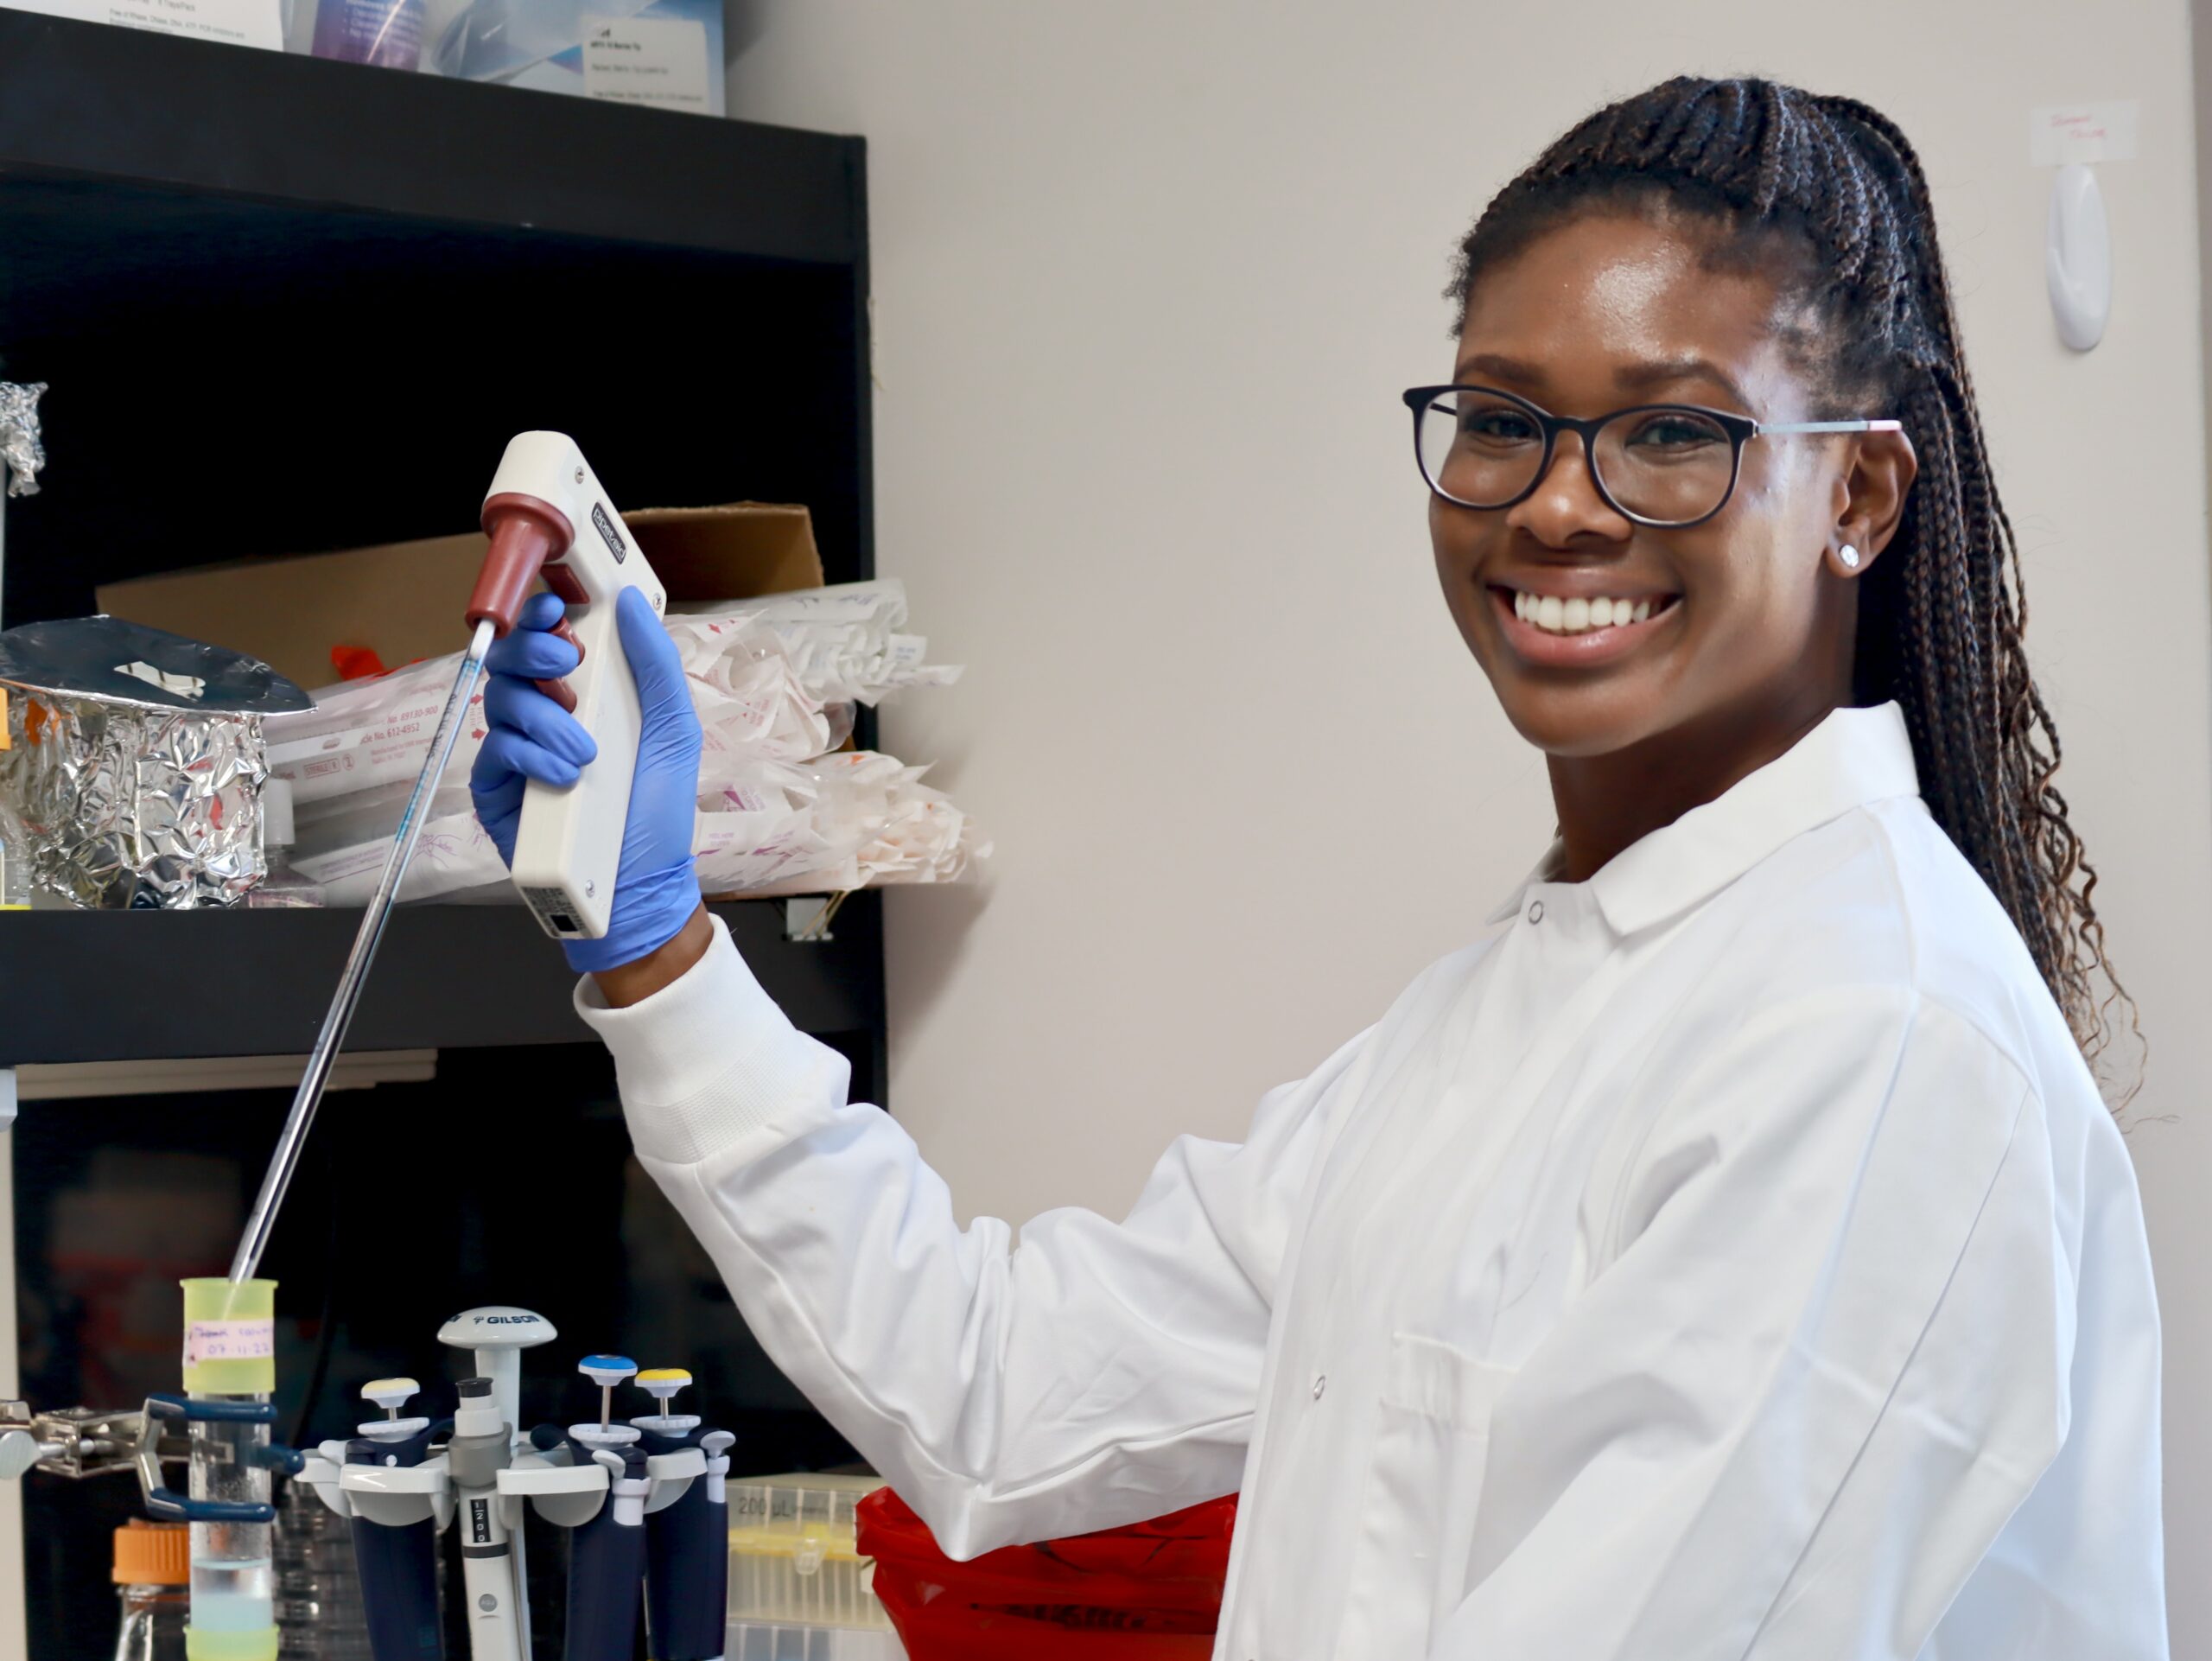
[1557,616]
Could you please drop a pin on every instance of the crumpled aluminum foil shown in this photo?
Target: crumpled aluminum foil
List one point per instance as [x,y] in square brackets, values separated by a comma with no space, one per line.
[134,763]
[20,448]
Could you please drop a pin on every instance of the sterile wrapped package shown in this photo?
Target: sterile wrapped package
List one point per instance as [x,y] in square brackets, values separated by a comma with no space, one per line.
[750,680]
[131,762]
[345,852]
[850,820]
[363,734]
[898,830]
[844,642]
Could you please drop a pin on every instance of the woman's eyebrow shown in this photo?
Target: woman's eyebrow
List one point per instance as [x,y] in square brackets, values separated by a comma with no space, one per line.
[1498,368]
[1642,377]
[1629,378]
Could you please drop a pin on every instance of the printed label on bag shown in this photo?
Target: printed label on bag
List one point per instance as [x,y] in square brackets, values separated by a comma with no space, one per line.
[242,22]
[229,1340]
[657,60]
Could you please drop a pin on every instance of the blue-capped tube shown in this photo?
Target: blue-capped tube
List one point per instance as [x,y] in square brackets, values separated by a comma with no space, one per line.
[398,1560]
[687,1540]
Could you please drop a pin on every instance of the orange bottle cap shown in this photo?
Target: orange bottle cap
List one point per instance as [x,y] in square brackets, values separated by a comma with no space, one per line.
[153,1554]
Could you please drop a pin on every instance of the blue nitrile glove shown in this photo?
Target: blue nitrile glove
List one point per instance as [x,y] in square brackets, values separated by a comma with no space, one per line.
[656,889]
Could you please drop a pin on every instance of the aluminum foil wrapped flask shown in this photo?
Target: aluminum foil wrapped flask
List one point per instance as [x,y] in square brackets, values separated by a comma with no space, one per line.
[132,762]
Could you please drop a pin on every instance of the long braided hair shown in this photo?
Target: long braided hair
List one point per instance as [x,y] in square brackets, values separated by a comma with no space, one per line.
[1829,193]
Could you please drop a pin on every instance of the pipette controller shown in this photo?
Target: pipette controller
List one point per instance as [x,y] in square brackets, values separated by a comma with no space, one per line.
[547,517]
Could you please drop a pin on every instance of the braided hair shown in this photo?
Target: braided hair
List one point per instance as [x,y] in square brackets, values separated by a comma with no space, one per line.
[1829,194]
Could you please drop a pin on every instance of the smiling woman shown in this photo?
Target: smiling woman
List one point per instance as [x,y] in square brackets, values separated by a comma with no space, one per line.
[1770,254]
[1726,1256]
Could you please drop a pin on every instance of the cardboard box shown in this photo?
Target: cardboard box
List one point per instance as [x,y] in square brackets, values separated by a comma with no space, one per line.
[405,600]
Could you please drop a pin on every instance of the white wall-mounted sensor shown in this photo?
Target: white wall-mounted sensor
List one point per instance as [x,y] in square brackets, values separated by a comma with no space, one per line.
[2077,256]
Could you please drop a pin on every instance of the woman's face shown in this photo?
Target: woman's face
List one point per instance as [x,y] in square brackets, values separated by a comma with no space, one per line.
[1745,624]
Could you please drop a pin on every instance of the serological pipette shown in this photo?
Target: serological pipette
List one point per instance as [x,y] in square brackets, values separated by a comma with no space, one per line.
[547,517]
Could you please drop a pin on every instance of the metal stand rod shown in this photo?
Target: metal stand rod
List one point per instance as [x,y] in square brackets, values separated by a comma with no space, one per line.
[340,1016]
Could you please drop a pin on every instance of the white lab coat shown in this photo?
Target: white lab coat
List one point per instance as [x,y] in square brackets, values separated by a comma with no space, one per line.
[1727,1256]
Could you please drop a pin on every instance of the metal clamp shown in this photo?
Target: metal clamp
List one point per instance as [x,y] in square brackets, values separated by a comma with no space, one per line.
[72,1441]
[167,1505]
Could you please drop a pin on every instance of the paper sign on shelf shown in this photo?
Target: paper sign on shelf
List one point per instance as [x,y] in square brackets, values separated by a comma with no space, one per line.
[2059,134]
[663,62]
[241,22]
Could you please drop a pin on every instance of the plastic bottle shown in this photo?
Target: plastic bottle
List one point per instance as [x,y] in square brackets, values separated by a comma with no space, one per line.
[152,1570]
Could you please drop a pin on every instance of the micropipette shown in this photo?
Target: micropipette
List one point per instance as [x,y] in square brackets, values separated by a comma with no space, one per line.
[607,1555]
[687,1529]
[396,1529]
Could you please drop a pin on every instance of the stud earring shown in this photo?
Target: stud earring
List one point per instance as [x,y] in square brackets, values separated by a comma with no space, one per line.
[1849,556]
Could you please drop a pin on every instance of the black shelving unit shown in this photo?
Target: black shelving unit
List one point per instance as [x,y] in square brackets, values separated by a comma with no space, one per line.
[284,306]
[446,978]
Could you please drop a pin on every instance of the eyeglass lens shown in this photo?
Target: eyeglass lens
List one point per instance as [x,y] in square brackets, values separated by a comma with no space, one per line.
[1671,465]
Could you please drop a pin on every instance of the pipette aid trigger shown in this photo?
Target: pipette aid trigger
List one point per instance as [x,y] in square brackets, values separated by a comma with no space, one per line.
[548,518]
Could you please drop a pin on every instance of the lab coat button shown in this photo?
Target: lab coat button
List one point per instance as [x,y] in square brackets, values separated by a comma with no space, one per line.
[1320,1383]
[1535,911]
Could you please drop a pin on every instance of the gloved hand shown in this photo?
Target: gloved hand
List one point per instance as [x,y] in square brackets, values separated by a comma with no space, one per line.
[530,737]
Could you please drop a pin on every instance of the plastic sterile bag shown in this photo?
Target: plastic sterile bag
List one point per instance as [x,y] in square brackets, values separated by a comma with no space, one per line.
[883,826]
[774,677]
[1151,1592]
[855,819]
[365,735]
[845,642]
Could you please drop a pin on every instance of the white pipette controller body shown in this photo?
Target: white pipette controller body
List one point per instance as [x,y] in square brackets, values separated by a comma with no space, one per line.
[548,516]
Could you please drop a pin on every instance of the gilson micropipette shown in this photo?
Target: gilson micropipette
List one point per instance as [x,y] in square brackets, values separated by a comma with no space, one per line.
[548,517]
[687,1529]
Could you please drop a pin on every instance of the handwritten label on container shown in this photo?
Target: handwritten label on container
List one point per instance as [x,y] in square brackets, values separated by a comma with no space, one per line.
[229,1340]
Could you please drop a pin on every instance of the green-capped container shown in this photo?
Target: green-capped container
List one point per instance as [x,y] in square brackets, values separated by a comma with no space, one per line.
[230,1351]
[230,1336]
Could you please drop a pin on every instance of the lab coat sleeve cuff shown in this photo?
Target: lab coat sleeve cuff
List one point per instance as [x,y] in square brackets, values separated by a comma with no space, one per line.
[708,1065]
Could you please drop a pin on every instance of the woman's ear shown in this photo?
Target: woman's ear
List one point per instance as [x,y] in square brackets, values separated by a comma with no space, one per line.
[1872,494]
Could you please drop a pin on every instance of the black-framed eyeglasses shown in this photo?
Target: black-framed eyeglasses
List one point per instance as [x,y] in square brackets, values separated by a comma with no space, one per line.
[1666,465]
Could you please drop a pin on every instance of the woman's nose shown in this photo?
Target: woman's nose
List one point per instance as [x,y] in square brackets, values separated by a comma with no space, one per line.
[1566,503]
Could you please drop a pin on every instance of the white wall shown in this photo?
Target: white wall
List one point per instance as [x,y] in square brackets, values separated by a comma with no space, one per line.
[1149,276]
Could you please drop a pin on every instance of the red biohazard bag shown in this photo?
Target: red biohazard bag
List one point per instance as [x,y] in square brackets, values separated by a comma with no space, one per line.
[1151,1592]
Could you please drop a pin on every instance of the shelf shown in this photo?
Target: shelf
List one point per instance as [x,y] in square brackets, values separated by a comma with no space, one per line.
[283,305]
[93,101]
[150,985]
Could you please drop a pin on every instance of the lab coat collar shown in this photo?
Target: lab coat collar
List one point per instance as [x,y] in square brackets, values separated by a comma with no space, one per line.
[1852,757]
